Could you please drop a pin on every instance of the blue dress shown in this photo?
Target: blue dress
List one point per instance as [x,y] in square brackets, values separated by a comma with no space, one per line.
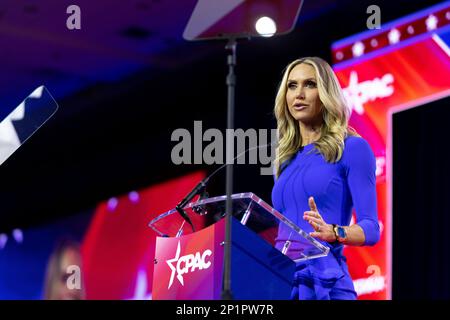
[336,188]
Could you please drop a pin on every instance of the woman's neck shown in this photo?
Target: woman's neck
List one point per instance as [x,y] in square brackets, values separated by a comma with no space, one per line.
[310,133]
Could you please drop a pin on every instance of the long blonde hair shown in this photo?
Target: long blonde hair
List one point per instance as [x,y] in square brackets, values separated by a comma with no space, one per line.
[54,274]
[335,115]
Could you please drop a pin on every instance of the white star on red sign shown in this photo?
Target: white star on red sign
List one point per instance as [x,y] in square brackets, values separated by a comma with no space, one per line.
[358,49]
[394,36]
[173,268]
[431,22]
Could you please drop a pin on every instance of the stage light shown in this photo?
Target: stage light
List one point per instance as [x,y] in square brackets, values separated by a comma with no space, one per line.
[3,240]
[266,27]
[133,196]
[112,204]
[18,235]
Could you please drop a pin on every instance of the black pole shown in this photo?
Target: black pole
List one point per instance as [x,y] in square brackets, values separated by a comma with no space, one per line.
[231,84]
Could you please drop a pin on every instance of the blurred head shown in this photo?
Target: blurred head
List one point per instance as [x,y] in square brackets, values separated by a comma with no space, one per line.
[63,264]
[309,93]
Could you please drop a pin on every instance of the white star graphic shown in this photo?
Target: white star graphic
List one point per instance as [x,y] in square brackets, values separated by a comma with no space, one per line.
[394,36]
[358,49]
[174,269]
[9,140]
[431,22]
[373,42]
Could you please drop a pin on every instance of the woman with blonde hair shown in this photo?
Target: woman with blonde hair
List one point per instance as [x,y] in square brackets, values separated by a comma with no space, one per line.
[64,264]
[324,169]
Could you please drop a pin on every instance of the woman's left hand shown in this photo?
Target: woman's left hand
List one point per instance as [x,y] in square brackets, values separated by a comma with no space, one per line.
[323,231]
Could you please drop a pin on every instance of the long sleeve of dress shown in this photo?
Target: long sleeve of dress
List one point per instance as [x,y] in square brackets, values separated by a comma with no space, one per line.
[360,166]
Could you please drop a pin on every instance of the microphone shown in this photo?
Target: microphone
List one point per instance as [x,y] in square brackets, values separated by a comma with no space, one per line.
[200,188]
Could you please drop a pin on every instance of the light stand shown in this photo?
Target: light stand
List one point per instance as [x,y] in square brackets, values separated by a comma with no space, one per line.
[230,20]
[231,84]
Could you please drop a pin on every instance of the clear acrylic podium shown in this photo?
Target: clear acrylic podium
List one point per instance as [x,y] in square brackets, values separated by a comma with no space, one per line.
[189,263]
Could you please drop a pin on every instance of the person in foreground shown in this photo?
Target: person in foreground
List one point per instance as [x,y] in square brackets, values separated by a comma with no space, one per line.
[60,269]
[323,170]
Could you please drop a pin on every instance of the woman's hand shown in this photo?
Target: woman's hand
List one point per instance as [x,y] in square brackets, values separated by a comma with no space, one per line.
[323,231]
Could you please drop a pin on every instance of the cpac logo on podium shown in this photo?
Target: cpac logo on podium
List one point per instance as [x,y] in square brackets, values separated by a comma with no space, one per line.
[188,263]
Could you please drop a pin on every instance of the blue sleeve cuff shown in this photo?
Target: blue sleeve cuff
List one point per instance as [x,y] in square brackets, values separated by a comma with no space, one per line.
[371,231]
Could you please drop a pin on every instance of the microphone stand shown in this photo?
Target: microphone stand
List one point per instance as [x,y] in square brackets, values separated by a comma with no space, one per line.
[231,84]
[196,30]
[199,189]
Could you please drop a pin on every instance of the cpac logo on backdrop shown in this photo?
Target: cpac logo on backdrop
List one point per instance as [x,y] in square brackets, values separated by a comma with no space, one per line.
[188,263]
[358,93]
